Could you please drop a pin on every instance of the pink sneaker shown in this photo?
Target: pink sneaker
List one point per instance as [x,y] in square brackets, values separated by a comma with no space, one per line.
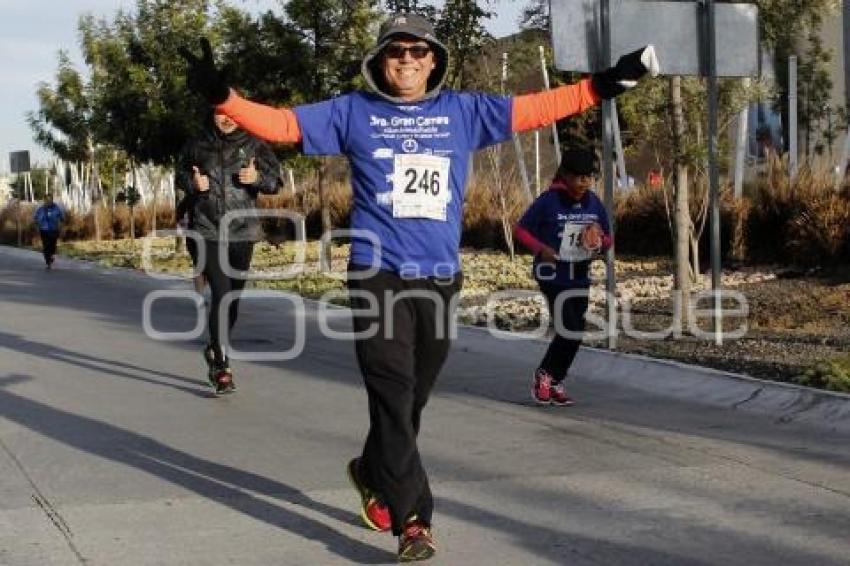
[541,387]
[559,395]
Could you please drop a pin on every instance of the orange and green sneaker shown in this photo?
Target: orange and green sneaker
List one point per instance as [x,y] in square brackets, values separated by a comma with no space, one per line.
[416,541]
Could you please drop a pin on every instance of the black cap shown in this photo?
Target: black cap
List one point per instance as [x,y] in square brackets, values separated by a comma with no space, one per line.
[578,161]
[407,24]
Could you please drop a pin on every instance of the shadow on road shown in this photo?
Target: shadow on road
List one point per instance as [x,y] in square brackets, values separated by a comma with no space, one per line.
[224,484]
[94,364]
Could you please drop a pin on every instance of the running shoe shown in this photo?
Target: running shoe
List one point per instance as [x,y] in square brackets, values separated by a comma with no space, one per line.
[416,541]
[219,375]
[374,513]
[559,395]
[223,382]
[541,387]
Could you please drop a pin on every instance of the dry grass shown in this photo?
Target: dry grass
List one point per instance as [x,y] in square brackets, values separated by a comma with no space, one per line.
[12,218]
[805,223]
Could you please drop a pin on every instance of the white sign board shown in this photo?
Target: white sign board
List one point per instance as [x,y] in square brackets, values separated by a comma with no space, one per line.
[672,27]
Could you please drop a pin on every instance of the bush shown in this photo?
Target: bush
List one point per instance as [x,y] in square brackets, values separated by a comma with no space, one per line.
[482,214]
[807,223]
[642,226]
[833,375]
[9,226]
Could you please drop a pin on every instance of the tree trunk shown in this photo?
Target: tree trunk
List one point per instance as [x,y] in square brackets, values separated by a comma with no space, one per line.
[683,223]
[325,265]
[132,208]
[94,186]
[507,230]
[132,226]
[155,180]
[95,205]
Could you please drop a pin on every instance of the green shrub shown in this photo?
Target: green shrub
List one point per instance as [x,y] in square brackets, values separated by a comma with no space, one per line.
[833,375]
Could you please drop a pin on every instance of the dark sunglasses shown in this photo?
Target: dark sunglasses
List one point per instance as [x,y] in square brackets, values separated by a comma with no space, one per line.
[396,51]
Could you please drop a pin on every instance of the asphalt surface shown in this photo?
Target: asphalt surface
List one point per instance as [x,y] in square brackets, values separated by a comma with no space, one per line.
[114,452]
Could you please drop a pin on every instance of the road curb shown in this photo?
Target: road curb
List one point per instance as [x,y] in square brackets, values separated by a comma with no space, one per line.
[784,402]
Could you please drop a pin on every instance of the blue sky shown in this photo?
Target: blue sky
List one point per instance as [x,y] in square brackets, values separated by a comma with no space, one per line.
[33,31]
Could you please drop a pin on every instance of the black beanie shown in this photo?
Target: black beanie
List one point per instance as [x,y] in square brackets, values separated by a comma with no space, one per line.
[578,161]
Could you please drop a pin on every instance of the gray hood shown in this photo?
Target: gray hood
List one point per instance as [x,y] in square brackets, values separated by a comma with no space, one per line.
[408,25]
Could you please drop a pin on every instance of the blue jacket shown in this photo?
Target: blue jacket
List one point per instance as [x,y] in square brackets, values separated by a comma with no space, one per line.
[48,217]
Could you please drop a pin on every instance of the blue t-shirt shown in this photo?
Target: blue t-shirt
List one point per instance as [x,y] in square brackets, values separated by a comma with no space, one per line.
[48,216]
[409,166]
[554,216]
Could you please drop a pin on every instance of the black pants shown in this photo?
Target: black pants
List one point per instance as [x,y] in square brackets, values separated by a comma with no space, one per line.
[400,364]
[562,350]
[48,244]
[192,248]
[239,254]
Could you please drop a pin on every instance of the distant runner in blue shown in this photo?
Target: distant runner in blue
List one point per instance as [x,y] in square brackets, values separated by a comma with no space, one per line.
[48,217]
[408,142]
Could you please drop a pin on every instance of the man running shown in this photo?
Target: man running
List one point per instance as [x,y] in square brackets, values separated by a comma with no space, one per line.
[408,143]
[222,172]
[47,217]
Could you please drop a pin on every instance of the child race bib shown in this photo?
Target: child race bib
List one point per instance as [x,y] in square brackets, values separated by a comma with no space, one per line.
[571,244]
[420,186]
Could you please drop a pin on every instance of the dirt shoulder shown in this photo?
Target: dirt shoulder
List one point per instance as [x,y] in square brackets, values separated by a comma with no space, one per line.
[793,325]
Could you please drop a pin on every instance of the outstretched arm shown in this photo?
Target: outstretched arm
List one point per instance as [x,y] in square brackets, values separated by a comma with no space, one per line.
[531,111]
[266,122]
[541,109]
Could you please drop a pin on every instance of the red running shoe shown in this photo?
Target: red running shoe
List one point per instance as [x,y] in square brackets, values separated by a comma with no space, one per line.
[541,387]
[219,374]
[559,395]
[374,513]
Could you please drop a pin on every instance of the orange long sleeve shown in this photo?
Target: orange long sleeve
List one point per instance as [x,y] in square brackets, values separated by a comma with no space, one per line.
[266,122]
[531,111]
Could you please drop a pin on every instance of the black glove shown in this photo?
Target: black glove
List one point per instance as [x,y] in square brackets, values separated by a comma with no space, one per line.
[625,74]
[202,75]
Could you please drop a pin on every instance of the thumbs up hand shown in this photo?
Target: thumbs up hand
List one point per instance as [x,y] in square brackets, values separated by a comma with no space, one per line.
[248,175]
[201,182]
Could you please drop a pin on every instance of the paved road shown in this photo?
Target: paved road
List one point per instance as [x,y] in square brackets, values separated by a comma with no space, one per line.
[112,451]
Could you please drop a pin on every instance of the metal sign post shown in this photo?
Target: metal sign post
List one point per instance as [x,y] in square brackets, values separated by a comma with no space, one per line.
[618,148]
[713,173]
[608,180]
[792,117]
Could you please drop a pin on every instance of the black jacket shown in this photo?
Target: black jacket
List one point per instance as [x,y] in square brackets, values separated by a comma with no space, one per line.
[220,156]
